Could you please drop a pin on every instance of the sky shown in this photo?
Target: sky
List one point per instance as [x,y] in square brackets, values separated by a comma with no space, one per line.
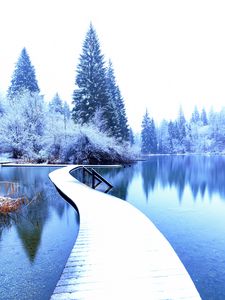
[166,53]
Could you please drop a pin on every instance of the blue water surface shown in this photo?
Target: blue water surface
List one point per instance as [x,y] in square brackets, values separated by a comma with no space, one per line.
[35,242]
[184,196]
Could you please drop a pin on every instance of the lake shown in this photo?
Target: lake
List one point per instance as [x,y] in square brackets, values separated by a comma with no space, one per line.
[35,241]
[184,196]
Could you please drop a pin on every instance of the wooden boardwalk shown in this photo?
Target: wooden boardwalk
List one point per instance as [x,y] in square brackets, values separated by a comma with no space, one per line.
[119,253]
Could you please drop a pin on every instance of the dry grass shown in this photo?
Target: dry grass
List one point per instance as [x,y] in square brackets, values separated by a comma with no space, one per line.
[10,202]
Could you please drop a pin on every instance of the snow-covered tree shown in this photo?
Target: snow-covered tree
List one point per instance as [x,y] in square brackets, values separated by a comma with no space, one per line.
[148,135]
[66,110]
[91,90]
[203,117]
[173,137]
[145,134]
[124,128]
[131,136]
[164,142]
[112,114]
[89,145]
[119,119]
[23,78]
[56,105]
[23,126]
[195,117]
[66,114]
[181,129]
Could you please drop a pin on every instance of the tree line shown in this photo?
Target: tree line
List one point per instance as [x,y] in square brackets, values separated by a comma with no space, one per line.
[96,129]
[202,133]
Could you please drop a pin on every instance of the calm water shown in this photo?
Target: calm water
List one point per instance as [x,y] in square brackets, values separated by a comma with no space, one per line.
[36,241]
[185,198]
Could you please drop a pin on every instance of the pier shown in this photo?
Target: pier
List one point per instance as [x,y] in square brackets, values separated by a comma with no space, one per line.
[119,253]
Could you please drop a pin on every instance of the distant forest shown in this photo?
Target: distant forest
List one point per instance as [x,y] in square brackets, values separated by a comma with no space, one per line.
[201,134]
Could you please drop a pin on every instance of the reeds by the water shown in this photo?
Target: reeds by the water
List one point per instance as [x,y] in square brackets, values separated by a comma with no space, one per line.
[9,200]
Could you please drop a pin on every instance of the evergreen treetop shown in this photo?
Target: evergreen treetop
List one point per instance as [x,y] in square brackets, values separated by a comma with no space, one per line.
[118,119]
[23,78]
[195,117]
[203,117]
[148,135]
[91,93]
[56,105]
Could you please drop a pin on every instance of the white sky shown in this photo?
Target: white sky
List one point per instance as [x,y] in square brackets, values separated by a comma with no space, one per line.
[165,53]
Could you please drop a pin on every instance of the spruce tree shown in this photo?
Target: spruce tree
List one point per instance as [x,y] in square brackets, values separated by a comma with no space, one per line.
[124,129]
[91,92]
[23,78]
[163,138]
[195,117]
[117,118]
[66,110]
[172,136]
[153,145]
[56,105]
[118,114]
[148,135]
[112,113]
[131,136]
[181,129]
[204,118]
[145,134]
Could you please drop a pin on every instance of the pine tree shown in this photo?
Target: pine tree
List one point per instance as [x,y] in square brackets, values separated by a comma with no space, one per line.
[181,130]
[118,114]
[66,110]
[171,136]
[153,145]
[148,135]
[174,137]
[24,78]
[56,105]
[91,92]
[204,118]
[163,138]
[122,116]
[112,114]
[195,117]
[117,118]
[145,134]
[131,136]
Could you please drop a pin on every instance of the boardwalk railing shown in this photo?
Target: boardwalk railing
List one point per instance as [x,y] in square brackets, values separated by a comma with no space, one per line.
[96,179]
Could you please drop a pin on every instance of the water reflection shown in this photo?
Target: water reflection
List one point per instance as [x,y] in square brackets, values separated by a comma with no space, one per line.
[39,235]
[120,177]
[200,173]
[184,197]
[30,219]
[149,174]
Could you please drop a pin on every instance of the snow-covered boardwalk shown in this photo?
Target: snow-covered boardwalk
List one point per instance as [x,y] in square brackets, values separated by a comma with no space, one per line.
[119,253]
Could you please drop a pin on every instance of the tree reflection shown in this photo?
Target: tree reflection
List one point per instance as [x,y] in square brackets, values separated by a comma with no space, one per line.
[5,222]
[31,218]
[200,173]
[120,177]
[149,174]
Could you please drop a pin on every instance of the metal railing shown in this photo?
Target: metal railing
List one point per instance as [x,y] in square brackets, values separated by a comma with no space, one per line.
[96,179]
